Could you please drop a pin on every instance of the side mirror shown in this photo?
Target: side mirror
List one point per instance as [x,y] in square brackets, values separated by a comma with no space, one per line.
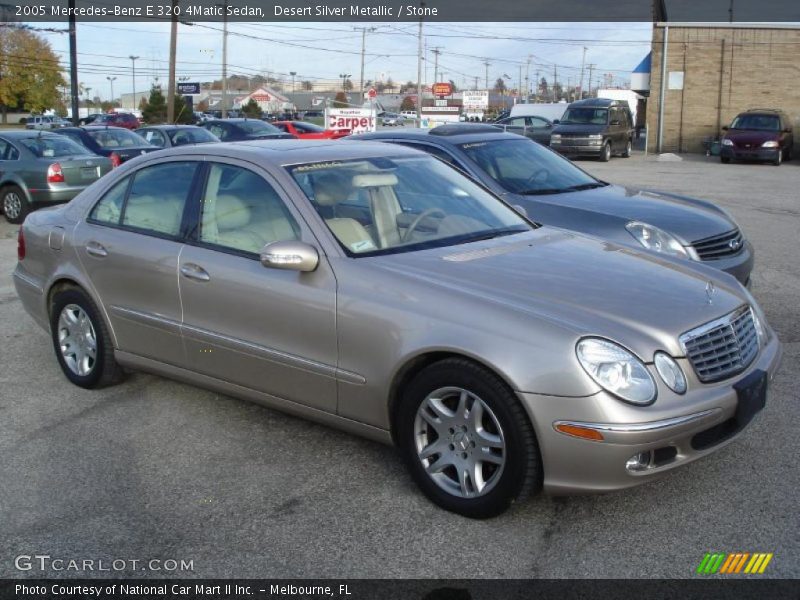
[520,209]
[290,255]
[556,121]
[725,128]
[615,122]
[787,130]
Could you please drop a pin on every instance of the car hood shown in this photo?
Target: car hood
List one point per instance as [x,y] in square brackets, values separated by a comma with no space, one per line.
[581,128]
[751,136]
[688,219]
[583,284]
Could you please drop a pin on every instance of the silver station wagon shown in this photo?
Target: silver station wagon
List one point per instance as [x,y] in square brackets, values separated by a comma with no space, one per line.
[378,290]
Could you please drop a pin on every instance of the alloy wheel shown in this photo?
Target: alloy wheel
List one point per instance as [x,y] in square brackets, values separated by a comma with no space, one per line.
[12,205]
[459,441]
[77,340]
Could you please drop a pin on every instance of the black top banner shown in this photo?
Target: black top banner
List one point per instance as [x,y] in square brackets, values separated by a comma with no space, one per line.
[403,10]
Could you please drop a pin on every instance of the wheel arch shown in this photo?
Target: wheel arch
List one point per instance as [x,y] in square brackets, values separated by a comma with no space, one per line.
[415,364]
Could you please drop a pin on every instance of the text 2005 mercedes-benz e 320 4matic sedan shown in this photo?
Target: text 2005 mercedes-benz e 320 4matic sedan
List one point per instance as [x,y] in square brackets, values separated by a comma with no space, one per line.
[376,289]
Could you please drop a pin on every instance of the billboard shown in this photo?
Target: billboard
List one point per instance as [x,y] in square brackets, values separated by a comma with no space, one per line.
[186,87]
[357,120]
[442,89]
[475,99]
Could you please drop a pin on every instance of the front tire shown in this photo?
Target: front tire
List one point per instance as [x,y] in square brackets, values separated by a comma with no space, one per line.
[724,160]
[778,158]
[15,205]
[466,439]
[81,340]
[605,155]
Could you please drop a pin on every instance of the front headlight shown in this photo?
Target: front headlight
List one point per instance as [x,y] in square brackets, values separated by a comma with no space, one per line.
[656,239]
[770,144]
[556,137]
[595,136]
[760,324]
[727,142]
[616,370]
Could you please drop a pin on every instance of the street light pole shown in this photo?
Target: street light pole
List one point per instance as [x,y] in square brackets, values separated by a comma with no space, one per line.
[364,31]
[111,81]
[133,72]
[293,73]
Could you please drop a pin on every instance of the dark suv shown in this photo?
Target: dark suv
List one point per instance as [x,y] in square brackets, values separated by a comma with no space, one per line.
[758,134]
[597,127]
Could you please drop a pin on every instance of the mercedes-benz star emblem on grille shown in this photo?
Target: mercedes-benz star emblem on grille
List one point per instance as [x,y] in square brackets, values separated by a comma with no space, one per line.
[710,291]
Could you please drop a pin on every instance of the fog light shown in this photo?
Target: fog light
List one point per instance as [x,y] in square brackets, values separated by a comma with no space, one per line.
[638,462]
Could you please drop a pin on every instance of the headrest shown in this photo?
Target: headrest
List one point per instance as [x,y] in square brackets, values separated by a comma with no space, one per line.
[368,180]
[330,189]
[231,212]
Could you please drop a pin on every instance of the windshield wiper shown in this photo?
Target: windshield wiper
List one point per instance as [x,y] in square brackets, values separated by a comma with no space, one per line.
[541,192]
[490,235]
[585,186]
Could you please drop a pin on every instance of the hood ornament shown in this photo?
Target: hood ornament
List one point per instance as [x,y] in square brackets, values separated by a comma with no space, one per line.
[710,291]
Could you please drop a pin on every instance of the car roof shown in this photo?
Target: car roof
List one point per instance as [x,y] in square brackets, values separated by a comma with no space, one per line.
[461,133]
[93,128]
[170,127]
[598,102]
[762,111]
[21,134]
[280,153]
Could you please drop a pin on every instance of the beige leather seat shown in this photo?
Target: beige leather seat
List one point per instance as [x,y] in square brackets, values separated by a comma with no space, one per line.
[161,214]
[247,226]
[329,190]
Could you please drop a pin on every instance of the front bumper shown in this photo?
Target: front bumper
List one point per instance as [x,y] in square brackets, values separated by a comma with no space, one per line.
[758,153]
[570,148]
[574,465]
[739,265]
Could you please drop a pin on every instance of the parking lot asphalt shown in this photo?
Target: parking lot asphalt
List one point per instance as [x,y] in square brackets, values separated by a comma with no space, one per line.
[154,469]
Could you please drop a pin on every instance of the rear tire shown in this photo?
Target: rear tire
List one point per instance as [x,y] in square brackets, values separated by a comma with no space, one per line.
[81,340]
[724,160]
[605,155]
[628,150]
[15,204]
[466,439]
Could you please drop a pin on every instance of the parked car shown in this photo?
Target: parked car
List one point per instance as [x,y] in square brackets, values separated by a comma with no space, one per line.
[390,119]
[126,120]
[409,114]
[760,134]
[594,127]
[309,131]
[89,119]
[313,114]
[167,136]
[116,143]
[38,168]
[552,111]
[554,191]
[536,128]
[42,122]
[380,291]
[238,130]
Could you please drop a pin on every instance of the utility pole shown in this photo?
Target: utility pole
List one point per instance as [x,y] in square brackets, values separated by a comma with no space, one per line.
[133,76]
[591,69]
[528,80]
[225,59]
[537,88]
[173,43]
[583,62]
[364,31]
[436,52]
[419,66]
[73,64]
[111,81]
[555,81]
[293,73]
[486,64]
[476,83]
[519,89]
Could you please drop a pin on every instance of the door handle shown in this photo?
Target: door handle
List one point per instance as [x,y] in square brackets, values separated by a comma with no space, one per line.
[96,249]
[196,272]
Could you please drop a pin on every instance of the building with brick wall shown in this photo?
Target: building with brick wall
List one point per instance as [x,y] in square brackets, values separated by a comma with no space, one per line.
[714,71]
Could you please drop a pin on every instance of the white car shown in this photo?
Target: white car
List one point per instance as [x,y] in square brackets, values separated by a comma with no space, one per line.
[42,122]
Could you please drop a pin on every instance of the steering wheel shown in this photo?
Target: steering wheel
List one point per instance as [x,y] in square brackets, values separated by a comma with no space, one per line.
[415,223]
[536,173]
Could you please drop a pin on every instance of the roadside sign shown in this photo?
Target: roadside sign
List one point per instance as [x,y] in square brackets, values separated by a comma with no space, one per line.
[357,120]
[442,89]
[475,99]
[372,93]
[185,87]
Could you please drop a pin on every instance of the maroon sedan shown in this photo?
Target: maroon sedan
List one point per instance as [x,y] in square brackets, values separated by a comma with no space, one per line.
[126,120]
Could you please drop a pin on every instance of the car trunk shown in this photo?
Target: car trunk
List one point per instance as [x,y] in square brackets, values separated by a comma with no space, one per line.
[83,170]
[129,153]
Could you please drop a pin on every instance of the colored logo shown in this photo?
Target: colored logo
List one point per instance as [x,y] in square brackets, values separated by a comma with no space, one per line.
[734,563]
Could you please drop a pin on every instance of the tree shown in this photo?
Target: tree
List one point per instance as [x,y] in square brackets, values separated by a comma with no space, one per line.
[30,73]
[408,86]
[156,109]
[252,109]
[348,84]
[500,85]
[543,87]
[407,104]
[453,85]
[142,104]
[202,106]
[340,101]
[182,112]
[389,85]
[306,86]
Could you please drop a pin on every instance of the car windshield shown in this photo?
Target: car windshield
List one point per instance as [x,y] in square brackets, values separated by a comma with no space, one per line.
[52,146]
[191,135]
[757,122]
[525,167]
[391,205]
[257,128]
[116,137]
[585,116]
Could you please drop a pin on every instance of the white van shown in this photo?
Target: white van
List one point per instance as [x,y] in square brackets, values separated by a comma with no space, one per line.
[548,110]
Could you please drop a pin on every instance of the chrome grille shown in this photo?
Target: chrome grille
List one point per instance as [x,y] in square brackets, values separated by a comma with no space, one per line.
[724,347]
[720,246]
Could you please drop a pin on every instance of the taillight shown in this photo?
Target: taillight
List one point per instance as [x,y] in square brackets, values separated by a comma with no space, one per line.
[115,160]
[54,174]
[20,244]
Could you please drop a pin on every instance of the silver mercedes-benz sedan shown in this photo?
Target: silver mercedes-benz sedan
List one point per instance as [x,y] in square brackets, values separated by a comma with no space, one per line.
[378,290]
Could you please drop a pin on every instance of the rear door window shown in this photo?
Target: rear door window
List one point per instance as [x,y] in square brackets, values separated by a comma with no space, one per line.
[157,197]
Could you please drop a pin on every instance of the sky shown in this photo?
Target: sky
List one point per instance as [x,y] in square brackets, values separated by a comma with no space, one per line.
[326,50]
